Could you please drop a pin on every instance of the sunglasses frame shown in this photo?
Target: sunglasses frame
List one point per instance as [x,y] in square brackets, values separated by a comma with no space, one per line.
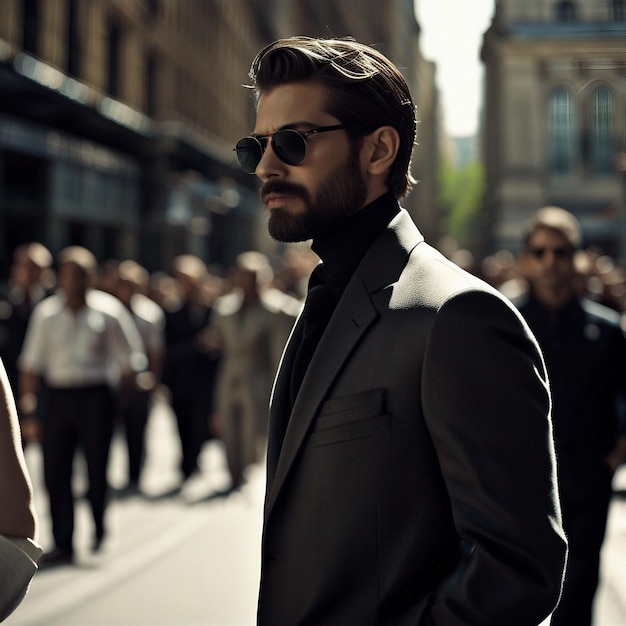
[261,142]
[561,252]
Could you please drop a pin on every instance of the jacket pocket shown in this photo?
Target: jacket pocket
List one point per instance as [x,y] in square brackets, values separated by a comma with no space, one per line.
[351,417]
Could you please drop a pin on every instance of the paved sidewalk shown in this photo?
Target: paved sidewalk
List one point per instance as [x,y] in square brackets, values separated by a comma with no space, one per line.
[187,559]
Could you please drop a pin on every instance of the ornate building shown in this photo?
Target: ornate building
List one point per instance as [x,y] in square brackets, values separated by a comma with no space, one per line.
[554,123]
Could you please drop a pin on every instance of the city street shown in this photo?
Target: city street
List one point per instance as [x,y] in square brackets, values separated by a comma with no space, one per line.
[170,559]
[192,558]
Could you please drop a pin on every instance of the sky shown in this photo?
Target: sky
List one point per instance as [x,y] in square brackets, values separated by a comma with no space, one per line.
[452,32]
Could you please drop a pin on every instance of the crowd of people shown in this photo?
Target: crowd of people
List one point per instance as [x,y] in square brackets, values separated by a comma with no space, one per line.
[210,342]
[86,345]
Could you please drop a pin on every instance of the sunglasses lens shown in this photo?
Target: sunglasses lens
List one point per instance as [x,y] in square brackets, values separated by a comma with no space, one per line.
[289,146]
[559,253]
[249,152]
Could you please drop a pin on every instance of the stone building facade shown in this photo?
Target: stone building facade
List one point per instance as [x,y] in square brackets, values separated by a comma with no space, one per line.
[554,123]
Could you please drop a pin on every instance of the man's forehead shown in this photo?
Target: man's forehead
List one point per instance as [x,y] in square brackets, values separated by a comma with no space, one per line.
[545,233]
[286,104]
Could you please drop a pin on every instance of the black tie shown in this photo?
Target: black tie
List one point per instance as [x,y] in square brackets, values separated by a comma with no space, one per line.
[318,308]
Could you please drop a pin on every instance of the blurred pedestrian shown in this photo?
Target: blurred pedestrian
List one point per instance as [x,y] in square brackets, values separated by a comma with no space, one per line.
[190,367]
[585,353]
[297,261]
[249,326]
[108,276]
[410,466]
[131,287]
[75,340]
[31,280]
[19,551]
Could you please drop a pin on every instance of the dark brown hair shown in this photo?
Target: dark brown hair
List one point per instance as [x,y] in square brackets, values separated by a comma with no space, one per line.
[366,90]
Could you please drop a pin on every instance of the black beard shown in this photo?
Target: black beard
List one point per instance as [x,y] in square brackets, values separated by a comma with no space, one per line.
[339,194]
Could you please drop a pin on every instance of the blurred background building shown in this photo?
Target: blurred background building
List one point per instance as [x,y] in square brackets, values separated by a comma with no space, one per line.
[554,123]
[118,118]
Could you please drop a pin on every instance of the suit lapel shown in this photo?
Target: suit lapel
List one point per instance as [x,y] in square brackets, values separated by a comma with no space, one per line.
[354,314]
[280,401]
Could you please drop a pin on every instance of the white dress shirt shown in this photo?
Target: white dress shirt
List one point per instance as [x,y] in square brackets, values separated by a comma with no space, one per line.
[79,349]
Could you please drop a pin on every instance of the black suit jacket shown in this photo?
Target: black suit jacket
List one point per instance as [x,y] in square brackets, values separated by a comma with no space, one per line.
[414,480]
[585,353]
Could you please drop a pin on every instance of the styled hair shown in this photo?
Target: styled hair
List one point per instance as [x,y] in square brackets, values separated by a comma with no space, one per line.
[365,89]
[557,219]
[36,253]
[130,271]
[81,257]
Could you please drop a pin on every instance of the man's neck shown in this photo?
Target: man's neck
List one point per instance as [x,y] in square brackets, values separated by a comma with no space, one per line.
[76,302]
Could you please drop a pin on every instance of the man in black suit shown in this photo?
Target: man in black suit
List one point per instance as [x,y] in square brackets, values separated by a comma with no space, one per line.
[189,366]
[410,471]
[585,354]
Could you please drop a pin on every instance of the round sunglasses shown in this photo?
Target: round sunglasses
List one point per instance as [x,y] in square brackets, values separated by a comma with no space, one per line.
[288,144]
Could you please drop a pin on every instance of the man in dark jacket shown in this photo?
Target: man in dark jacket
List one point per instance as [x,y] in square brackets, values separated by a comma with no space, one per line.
[585,353]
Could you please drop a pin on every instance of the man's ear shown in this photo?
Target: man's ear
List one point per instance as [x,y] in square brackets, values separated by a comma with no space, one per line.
[383,145]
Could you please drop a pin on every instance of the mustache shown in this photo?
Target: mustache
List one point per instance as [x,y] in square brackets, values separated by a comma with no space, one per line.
[282,187]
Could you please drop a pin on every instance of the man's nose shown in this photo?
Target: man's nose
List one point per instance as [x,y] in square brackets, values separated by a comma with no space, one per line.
[269,165]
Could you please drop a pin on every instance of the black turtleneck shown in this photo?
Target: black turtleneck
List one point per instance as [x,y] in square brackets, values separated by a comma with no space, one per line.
[343,248]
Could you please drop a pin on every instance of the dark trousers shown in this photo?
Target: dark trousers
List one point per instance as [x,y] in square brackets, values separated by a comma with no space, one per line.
[584,521]
[135,420]
[76,418]
[192,419]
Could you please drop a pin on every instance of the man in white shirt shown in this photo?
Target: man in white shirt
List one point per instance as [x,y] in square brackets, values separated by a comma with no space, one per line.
[75,339]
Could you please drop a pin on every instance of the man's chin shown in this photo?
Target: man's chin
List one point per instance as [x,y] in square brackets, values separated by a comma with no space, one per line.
[286,228]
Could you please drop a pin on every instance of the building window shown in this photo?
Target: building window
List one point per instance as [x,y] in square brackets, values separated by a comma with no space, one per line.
[565,11]
[618,13]
[30,25]
[113,74]
[73,40]
[151,85]
[561,131]
[601,130]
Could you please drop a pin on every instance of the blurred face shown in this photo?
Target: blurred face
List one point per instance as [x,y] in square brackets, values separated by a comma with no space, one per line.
[24,272]
[72,279]
[548,261]
[310,199]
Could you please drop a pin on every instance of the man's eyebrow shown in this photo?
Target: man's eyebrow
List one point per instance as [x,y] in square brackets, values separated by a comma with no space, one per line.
[294,125]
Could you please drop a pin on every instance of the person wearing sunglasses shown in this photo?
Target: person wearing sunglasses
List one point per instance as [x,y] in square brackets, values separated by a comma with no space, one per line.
[410,465]
[585,353]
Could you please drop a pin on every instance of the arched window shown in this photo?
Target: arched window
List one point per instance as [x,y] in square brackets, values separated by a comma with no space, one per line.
[565,11]
[561,131]
[601,147]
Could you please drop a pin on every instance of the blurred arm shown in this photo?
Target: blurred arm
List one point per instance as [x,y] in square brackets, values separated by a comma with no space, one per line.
[17,516]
